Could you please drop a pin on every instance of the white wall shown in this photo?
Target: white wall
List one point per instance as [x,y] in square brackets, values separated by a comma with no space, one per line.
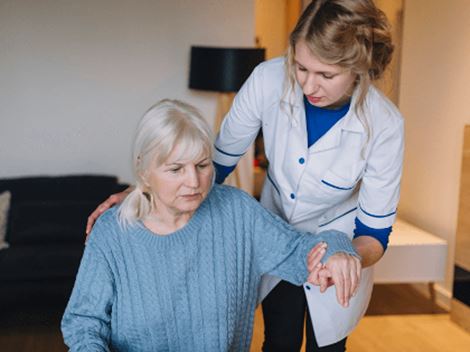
[434,97]
[75,76]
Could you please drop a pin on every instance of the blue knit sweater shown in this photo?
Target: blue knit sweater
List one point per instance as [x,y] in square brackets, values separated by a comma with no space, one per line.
[192,290]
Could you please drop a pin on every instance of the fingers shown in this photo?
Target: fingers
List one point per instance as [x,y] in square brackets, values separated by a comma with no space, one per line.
[358,273]
[342,270]
[315,255]
[95,215]
[345,272]
[347,284]
[324,276]
[354,279]
[359,269]
[313,277]
[339,285]
[91,220]
[108,203]
[314,262]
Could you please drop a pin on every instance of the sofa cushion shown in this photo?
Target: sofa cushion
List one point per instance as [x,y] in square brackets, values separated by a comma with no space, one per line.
[4,209]
[39,262]
[76,187]
[48,233]
[73,188]
[49,221]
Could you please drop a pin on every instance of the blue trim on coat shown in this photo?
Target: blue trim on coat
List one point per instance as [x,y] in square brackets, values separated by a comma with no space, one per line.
[228,154]
[340,216]
[337,187]
[271,180]
[222,171]
[381,235]
[377,216]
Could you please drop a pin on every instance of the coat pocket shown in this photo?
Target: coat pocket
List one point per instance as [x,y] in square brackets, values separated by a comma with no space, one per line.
[335,189]
[332,180]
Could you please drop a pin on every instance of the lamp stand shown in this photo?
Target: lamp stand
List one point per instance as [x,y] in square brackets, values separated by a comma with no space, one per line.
[224,102]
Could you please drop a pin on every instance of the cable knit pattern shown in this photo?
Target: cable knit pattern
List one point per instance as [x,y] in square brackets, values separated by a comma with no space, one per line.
[192,290]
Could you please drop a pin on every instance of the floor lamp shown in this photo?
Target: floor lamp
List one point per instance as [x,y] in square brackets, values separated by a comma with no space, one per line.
[223,70]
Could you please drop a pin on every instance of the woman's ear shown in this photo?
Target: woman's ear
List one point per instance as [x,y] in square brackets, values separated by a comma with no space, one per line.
[142,174]
[144,177]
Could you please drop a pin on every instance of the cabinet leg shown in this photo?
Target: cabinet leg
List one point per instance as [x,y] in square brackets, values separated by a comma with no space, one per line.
[432,295]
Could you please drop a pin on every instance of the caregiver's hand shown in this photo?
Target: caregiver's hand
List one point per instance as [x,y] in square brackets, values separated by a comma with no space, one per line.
[341,269]
[108,203]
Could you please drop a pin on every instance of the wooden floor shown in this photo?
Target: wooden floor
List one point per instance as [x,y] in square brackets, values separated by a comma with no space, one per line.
[398,333]
[398,319]
[409,333]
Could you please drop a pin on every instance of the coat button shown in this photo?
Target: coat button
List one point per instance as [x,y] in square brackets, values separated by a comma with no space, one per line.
[292,196]
[307,287]
[301,160]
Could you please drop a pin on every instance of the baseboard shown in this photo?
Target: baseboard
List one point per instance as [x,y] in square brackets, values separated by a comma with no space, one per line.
[443,296]
[460,314]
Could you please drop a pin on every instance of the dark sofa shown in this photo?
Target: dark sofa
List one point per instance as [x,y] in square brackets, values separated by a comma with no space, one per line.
[46,233]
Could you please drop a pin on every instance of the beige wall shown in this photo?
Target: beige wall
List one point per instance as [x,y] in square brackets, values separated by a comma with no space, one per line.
[434,96]
[75,76]
[270,26]
[274,20]
[390,82]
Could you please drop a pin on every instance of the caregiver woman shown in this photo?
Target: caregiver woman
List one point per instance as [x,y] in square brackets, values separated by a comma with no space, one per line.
[335,147]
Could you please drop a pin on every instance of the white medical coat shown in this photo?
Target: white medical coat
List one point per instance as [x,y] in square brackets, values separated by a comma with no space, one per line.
[349,172]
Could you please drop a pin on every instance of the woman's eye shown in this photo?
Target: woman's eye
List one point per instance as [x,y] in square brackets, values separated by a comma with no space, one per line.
[302,69]
[175,170]
[327,76]
[203,166]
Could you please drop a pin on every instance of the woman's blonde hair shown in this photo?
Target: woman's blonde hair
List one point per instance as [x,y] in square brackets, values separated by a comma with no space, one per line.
[353,34]
[167,124]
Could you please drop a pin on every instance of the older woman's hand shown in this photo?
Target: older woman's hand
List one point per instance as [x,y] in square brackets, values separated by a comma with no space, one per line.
[341,270]
[108,203]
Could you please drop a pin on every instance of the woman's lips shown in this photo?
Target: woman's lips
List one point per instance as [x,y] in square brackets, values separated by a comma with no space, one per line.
[191,196]
[314,100]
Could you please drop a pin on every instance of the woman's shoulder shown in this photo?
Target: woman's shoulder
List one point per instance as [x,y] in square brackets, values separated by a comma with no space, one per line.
[268,78]
[276,65]
[108,218]
[229,195]
[271,73]
[228,192]
[106,228]
[381,109]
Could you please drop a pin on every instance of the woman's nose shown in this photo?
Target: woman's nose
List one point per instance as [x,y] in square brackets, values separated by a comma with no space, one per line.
[192,178]
[310,85]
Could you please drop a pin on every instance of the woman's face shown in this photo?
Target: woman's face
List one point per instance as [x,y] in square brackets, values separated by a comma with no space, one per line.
[324,85]
[180,185]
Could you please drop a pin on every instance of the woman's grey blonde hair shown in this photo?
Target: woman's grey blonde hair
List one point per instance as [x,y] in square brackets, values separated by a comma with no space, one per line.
[167,124]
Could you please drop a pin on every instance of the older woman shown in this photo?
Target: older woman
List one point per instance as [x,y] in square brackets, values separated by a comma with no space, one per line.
[176,267]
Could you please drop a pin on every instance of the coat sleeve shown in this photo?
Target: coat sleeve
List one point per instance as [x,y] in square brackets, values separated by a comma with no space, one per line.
[380,187]
[281,250]
[86,321]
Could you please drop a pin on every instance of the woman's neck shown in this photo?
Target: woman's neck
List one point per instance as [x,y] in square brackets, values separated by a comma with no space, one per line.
[165,223]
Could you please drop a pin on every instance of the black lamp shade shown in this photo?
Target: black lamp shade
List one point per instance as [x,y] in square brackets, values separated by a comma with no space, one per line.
[222,69]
